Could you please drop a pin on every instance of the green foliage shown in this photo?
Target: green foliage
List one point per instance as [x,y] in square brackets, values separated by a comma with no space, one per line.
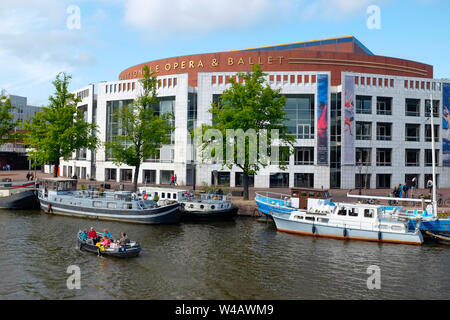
[7,124]
[143,132]
[59,129]
[155,198]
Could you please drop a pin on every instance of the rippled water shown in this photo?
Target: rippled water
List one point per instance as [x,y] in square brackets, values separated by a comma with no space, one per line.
[244,259]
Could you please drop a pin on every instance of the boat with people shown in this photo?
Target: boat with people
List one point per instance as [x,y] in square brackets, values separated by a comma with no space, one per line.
[19,196]
[60,196]
[211,206]
[352,221]
[271,202]
[117,249]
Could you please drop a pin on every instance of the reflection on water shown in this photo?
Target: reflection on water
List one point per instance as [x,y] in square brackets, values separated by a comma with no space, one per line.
[243,259]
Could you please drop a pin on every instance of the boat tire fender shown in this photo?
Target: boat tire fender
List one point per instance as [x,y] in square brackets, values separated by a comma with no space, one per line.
[379,235]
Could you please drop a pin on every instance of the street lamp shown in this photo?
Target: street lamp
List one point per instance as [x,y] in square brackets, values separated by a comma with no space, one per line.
[359,165]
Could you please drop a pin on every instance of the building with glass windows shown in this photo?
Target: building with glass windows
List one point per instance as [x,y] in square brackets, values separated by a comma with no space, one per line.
[358,118]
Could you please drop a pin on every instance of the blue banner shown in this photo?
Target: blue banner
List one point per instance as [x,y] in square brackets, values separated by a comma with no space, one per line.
[446,125]
[322,119]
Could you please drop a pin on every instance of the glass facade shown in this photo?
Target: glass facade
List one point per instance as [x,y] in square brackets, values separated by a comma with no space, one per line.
[299,110]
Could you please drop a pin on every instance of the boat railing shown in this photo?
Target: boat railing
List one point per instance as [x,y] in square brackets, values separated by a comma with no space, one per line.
[272,195]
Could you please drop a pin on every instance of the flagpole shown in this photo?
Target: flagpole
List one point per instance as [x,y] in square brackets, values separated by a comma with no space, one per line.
[433,154]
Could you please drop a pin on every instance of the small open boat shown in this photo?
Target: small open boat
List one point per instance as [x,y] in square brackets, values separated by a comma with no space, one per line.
[128,251]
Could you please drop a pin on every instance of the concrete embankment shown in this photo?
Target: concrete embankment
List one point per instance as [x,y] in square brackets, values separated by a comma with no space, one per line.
[246,207]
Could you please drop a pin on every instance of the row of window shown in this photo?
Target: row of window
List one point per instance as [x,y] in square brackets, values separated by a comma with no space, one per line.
[384,131]
[384,106]
[383,181]
[363,156]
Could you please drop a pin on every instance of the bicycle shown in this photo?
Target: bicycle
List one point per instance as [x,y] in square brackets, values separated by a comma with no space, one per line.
[441,202]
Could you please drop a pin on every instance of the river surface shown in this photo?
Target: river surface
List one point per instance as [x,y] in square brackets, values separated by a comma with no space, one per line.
[244,259]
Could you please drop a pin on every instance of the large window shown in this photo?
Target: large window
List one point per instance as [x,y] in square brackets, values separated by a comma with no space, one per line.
[428,132]
[435,108]
[412,107]
[335,133]
[362,181]
[126,175]
[221,178]
[166,105]
[304,180]
[383,181]
[110,174]
[384,157]
[412,157]
[363,130]
[384,106]
[192,111]
[364,104]
[149,176]
[384,131]
[239,180]
[113,123]
[299,110]
[412,132]
[279,180]
[363,156]
[429,158]
[304,155]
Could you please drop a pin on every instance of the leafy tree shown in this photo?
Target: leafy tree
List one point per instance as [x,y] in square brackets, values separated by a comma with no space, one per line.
[59,129]
[143,132]
[252,107]
[7,123]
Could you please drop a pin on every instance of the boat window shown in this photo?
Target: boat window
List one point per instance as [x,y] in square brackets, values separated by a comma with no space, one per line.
[174,196]
[299,217]
[309,218]
[163,195]
[353,212]
[112,205]
[128,206]
[168,196]
[383,226]
[324,220]
[97,204]
[342,212]
[312,194]
[368,213]
[396,228]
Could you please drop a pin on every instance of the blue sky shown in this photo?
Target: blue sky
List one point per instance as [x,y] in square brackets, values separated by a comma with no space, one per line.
[36,43]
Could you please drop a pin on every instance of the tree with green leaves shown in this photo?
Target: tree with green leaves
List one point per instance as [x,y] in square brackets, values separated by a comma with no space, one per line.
[143,130]
[60,128]
[248,111]
[7,123]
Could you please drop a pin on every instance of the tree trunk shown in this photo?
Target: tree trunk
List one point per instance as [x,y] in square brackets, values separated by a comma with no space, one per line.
[245,183]
[135,179]
[55,174]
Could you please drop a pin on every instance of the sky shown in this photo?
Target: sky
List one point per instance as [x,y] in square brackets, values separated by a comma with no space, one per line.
[94,40]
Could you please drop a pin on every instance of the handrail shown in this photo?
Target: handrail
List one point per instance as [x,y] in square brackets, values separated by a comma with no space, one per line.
[278,196]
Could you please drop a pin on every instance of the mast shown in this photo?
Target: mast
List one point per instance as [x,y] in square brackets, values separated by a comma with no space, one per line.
[433,155]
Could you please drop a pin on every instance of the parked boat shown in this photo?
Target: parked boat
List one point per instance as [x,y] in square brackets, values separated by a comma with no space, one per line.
[270,202]
[348,221]
[127,251]
[19,196]
[59,196]
[204,207]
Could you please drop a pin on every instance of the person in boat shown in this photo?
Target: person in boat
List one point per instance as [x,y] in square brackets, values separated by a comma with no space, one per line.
[124,239]
[83,235]
[106,241]
[107,233]
[93,235]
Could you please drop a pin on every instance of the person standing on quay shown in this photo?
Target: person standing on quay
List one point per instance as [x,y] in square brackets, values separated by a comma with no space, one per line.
[172,180]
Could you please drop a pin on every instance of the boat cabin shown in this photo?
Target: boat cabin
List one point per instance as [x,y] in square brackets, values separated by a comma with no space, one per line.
[300,196]
[59,184]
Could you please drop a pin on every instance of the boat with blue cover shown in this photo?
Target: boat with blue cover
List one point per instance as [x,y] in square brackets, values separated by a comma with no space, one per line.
[59,196]
[270,202]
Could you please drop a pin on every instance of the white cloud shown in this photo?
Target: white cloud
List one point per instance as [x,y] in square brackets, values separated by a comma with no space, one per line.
[162,17]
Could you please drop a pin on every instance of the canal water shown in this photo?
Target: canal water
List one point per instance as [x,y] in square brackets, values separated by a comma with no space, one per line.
[244,259]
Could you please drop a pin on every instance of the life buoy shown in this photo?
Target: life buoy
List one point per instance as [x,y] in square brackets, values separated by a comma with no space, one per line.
[145,196]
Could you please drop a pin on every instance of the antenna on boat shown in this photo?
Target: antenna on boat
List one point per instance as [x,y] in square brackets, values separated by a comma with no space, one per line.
[433,154]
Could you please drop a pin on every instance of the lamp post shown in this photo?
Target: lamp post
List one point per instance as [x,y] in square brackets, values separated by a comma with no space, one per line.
[359,165]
